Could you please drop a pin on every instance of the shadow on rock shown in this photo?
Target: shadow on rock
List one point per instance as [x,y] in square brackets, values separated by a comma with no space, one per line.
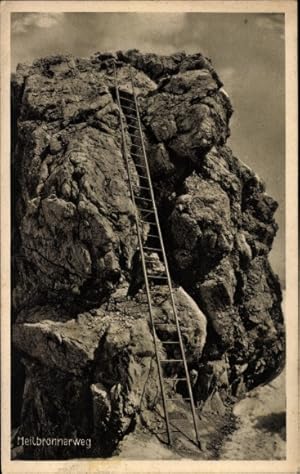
[273,423]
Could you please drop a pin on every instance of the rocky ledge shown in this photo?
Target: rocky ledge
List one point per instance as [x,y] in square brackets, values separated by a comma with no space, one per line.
[84,364]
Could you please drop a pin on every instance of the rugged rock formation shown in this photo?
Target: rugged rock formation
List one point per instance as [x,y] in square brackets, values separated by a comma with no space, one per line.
[81,325]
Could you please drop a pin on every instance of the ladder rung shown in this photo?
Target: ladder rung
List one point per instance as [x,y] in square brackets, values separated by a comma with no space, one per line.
[153,236]
[140,156]
[174,378]
[176,398]
[129,108]
[171,360]
[146,222]
[143,177]
[170,342]
[142,187]
[126,98]
[171,431]
[145,199]
[153,249]
[146,210]
[157,277]
[132,126]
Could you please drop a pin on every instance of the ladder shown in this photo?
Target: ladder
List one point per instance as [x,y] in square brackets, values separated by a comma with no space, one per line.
[142,196]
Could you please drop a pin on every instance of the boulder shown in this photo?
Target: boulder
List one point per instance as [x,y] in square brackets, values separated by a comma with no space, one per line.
[107,358]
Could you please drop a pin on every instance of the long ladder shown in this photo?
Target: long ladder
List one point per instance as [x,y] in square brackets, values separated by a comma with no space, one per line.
[142,196]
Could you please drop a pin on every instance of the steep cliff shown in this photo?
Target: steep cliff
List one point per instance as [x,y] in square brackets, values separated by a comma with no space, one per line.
[80,315]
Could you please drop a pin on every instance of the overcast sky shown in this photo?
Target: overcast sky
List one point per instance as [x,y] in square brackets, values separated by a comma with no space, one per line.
[247,50]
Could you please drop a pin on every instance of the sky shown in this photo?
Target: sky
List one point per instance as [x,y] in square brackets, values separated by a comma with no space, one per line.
[247,51]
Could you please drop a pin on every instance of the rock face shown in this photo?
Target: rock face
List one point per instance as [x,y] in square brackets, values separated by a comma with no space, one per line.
[81,325]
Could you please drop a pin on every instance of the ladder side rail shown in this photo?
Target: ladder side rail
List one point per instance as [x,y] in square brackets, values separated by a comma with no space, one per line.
[140,242]
[166,267]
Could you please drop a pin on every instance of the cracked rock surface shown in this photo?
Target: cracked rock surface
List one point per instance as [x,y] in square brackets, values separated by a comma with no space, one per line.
[85,360]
